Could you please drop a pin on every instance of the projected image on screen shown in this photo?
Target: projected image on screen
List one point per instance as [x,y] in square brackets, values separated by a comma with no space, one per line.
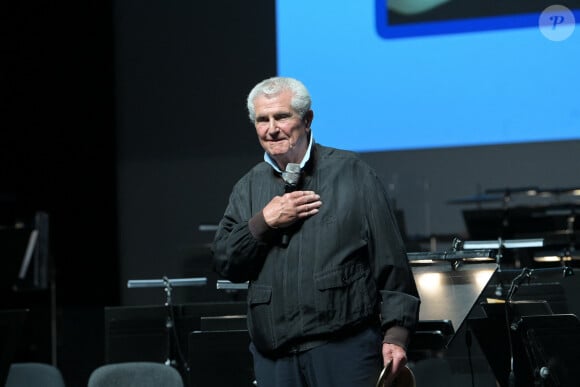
[412,11]
[372,93]
[400,18]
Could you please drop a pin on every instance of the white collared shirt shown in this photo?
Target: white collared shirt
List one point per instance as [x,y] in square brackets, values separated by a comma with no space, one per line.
[270,160]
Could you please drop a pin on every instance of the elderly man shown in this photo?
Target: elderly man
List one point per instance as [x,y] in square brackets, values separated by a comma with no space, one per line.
[331,297]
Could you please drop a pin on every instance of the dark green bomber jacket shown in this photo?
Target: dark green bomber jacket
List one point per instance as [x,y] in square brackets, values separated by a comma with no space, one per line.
[341,267]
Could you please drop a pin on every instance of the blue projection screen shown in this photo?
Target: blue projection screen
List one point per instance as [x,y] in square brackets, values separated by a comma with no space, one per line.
[392,75]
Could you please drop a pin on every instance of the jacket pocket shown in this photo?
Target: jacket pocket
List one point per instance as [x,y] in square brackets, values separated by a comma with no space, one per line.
[260,321]
[343,294]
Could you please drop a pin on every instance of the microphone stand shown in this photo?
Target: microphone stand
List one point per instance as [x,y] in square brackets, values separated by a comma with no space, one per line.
[513,325]
[169,321]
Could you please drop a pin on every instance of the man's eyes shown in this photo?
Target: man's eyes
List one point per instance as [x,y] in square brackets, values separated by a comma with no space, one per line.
[277,117]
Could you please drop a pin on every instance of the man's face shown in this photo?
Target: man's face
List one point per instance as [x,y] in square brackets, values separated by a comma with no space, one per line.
[282,132]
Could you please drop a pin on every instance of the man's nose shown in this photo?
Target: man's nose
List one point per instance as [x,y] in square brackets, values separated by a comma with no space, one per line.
[273,128]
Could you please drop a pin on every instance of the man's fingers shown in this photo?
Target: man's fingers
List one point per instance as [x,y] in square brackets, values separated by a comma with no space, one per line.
[396,355]
[302,197]
[299,194]
[284,210]
[309,209]
[303,201]
[397,364]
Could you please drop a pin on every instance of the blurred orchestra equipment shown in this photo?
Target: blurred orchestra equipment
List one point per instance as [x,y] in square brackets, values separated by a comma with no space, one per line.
[527,212]
[530,303]
[26,282]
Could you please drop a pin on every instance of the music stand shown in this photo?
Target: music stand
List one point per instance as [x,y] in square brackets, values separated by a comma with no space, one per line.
[545,349]
[500,244]
[552,348]
[229,322]
[503,333]
[230,286]
[451,283]
[168,285]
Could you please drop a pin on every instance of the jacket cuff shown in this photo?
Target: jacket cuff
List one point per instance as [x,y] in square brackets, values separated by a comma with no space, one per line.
[259,228]
[400,309]
[397,335]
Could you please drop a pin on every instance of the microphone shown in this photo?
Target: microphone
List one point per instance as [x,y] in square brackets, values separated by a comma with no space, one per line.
[291,177]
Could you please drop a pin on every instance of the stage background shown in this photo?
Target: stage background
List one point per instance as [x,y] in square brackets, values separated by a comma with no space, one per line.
[126,121]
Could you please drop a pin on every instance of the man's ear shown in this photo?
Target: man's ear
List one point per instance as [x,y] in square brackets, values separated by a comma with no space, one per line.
[308,117]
